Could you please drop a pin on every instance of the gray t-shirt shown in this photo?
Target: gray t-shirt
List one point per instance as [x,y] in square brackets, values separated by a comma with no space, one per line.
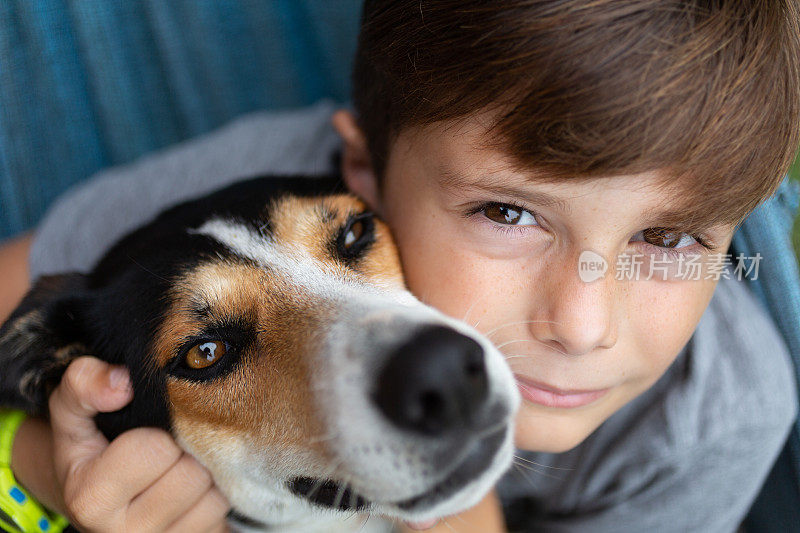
[690,454]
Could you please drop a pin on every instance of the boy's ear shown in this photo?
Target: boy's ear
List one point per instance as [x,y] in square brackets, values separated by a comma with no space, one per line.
[42,336]
[357,170]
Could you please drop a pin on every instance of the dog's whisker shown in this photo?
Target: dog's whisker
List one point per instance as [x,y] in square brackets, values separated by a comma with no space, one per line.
[499,346]
[498,328]
[137,263]
[444,521]
[520,458]
[461,519]
[364,523]
[530,415]
[532,469]
[469,310]
[471,307]
[353,500]
[531,340]
[525,474]
[339,495]
[525,471]
[323,438]
[317,484]
[321,480]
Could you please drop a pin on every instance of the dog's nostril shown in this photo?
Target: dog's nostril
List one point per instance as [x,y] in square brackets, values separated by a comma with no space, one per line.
[430,408]
[473,365]
[434,382]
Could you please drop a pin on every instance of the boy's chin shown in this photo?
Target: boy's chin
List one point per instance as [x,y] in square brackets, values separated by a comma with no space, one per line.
[552,432]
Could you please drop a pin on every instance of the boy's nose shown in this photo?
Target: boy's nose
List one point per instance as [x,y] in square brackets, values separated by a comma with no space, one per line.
[574,317]
[433,383]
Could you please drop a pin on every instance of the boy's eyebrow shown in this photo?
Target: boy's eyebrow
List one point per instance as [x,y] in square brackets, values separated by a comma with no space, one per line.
[453,180]
[679,217]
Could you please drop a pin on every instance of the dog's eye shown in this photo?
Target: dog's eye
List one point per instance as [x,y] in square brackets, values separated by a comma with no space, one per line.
[205,354]
[356,236]
[355,233]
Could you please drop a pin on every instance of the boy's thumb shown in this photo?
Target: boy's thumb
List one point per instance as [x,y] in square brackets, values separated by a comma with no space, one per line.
[88,386]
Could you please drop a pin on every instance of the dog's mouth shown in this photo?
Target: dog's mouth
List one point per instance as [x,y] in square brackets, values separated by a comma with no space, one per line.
[338,496]
[328,493]
[474,464]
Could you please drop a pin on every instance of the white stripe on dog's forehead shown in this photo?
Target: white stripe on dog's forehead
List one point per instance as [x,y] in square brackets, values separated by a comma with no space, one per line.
[292,260]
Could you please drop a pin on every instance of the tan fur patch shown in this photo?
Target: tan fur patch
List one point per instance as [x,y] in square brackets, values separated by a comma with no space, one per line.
[268,396]
[304,222]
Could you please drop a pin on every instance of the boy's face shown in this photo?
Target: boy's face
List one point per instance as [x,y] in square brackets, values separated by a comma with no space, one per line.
[479,241]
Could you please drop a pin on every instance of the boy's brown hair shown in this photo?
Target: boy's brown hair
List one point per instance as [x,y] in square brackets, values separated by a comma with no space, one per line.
[706,89]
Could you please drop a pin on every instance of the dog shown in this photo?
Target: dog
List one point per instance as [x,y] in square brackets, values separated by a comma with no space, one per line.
[267,327]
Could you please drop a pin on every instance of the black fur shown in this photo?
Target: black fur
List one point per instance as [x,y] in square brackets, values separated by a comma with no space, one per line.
[114,311]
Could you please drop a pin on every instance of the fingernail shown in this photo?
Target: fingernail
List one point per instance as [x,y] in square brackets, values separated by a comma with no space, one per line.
[118,378]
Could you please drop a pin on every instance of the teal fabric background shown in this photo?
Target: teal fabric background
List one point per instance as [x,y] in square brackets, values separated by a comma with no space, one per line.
[85,84]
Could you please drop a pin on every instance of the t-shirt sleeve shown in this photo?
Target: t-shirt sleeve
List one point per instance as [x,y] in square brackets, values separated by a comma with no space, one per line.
[709,488]
[92,216]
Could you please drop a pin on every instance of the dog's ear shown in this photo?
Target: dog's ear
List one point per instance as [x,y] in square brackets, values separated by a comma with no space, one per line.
[43,335]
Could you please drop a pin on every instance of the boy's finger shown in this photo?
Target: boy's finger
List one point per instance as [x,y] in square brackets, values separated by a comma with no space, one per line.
[133,462]
[88,386]
[182,485]
[207,515]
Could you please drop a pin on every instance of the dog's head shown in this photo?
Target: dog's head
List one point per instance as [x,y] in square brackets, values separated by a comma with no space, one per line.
[268,328]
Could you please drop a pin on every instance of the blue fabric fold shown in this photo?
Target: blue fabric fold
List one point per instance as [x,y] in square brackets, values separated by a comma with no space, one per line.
[87,84]
[767,231]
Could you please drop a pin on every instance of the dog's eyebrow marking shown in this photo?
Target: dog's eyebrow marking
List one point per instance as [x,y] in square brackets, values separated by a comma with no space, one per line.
[264,251]
[295,263]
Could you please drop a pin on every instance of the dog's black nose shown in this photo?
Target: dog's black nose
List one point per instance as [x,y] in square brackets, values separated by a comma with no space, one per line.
[433,383]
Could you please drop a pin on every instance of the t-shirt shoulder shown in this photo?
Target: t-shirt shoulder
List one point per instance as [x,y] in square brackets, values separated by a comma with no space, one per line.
[94,214]
[738,376]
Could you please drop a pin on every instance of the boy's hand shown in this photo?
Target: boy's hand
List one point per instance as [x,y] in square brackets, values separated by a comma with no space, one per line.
[139,482]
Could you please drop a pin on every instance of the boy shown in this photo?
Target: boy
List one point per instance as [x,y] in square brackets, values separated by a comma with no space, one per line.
[502,141]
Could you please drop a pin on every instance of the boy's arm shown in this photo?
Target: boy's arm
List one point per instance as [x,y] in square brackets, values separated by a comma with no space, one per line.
[14,266]
[32,457]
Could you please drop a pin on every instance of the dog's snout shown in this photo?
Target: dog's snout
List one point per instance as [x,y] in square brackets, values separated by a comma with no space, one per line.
[433,383]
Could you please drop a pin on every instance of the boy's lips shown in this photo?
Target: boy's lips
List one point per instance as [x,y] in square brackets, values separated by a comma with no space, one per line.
[549,396]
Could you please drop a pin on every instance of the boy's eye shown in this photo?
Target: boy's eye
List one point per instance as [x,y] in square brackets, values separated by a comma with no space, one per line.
[665,238]
[509,215]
